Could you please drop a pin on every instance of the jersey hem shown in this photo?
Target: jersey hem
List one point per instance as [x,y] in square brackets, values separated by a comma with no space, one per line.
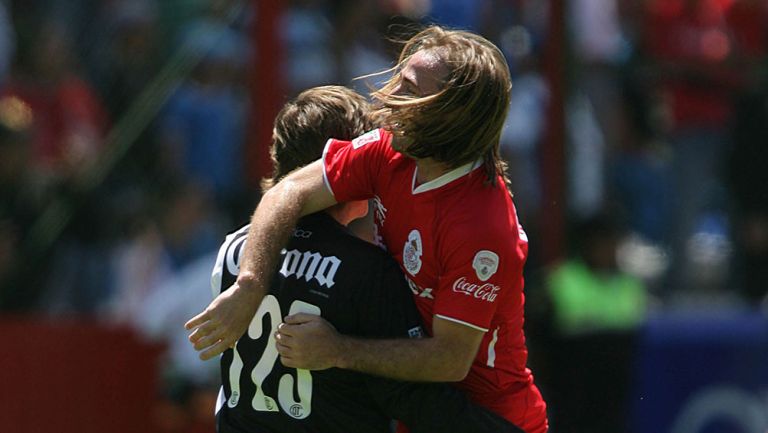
[451,319]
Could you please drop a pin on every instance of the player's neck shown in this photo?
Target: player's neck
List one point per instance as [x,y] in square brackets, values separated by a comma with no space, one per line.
[428,169]
[346,212]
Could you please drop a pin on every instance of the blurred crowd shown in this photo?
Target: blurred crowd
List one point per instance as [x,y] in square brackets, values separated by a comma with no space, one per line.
[117,184]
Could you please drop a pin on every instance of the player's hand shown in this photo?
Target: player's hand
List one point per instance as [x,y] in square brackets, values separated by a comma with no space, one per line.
[308,341]
[223,322]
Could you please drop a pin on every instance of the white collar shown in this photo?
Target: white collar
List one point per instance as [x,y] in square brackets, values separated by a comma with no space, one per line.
[444,179]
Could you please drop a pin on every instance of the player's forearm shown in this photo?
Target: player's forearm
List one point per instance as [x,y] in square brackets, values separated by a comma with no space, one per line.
[271,226]
[425,359]
[302,192]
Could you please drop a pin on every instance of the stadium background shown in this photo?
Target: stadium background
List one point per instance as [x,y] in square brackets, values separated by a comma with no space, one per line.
[133,134]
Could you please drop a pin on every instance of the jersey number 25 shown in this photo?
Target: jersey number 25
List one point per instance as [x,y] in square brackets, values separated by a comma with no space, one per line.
[261,402]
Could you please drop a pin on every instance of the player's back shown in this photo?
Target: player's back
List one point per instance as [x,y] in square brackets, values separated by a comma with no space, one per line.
[354,285]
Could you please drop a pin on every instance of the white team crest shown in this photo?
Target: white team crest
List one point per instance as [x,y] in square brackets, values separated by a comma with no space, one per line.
[368,137]
[412,253]
[486,263]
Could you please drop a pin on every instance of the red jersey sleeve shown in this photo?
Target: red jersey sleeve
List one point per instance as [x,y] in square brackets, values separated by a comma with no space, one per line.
[479,270]
[350,168]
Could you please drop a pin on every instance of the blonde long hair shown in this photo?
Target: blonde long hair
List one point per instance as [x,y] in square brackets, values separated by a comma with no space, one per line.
[462,122]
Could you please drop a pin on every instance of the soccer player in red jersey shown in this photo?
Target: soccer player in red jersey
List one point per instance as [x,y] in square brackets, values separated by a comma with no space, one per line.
[323,268]
[442,210]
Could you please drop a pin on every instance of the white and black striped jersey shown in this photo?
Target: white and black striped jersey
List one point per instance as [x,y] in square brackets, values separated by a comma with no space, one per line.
[359,289]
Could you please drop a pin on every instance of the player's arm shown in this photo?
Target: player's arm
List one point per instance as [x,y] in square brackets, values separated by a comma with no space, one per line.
[386,316]
[309,342]
[227,317]
[461,320]
[435,407]
[445,357]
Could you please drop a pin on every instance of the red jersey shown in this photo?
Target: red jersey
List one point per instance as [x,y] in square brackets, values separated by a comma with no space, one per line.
[462,250]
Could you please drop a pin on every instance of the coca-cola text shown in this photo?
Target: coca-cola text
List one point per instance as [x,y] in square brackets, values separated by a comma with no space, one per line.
[486,292]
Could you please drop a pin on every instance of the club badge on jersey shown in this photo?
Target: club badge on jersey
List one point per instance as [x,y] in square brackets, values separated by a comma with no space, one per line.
[486,263]
[412,252]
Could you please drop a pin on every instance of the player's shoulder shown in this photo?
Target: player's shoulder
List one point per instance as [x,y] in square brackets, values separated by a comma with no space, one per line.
[234,240]
[227,265]
[372,137]
[364,253]
[481,211]
[237,234]
[483,230]
[337,238]
[377,140]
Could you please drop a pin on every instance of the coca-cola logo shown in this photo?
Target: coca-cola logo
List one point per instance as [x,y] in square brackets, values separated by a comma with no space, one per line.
[486,292]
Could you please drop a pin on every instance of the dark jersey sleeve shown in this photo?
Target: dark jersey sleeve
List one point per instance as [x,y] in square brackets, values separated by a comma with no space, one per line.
[435,407]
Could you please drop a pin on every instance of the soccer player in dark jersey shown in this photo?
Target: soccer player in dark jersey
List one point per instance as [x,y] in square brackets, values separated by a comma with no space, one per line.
[357,287]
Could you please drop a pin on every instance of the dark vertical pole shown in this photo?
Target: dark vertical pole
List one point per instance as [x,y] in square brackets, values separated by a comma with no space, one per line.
[553,162]
[265,86]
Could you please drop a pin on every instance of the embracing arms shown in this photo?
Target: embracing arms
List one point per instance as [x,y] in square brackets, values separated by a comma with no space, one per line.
[307,341]
[227,317]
